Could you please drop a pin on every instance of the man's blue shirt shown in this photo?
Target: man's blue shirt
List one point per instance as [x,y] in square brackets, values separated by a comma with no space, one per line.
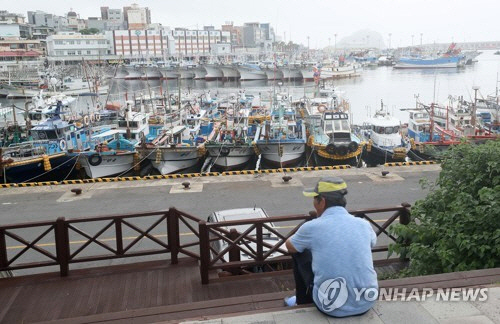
[340,245]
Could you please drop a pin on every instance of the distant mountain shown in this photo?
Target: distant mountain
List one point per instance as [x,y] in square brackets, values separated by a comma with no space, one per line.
[363,39]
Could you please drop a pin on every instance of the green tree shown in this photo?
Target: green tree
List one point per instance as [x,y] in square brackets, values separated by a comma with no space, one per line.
[457,226]
[90,31]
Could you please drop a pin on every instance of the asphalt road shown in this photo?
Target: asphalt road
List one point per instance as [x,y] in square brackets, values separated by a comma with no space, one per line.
[367,189]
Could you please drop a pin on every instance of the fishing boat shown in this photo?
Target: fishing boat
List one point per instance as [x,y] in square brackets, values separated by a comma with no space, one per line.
[251,71]
[178,146]
[230,146]
[44,156]
[114,151]
[427,62]
[281,140]
[331,140]
[383,139]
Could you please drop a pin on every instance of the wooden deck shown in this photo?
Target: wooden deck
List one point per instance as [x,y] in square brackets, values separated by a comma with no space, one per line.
[159,292]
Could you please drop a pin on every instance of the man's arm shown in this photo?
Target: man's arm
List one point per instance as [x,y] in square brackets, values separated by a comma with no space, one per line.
[290,246]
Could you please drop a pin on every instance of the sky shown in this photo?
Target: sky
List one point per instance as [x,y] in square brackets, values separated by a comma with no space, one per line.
[440,21]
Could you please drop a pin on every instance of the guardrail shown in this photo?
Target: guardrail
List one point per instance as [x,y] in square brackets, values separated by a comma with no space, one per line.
[67,241]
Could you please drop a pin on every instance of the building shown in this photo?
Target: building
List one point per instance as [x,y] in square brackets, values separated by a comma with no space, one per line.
[236,33]
[136,17]
[258,35]
[42,19]
[14,18]
[200,42]
[74,21]
[10,30]
[41,32]
[18,54]
[112,19]
[143,43]
[73,46]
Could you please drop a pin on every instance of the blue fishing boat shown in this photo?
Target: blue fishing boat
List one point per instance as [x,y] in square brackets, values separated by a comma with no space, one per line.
[44,157]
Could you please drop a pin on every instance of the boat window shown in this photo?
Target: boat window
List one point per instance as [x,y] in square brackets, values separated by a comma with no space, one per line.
[328,127]
[345,125]
[396,129]
[338,125]
[389,130]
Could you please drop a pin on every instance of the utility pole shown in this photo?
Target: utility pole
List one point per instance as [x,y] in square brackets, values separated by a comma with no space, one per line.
[390,34]
[421,34]
[473,117]
[335,42]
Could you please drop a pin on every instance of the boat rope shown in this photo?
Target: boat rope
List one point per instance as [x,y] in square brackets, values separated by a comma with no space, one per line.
[52,169]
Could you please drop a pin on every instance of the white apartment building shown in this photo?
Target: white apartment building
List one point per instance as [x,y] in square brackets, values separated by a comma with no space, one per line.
[137,17]
[142,43]
[197,42]
[73,46]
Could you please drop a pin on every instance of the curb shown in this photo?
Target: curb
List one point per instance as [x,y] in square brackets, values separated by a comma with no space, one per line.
[410,163]
[172,176]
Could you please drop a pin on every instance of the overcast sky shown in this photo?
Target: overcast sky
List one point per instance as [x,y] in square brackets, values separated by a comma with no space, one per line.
[437,20]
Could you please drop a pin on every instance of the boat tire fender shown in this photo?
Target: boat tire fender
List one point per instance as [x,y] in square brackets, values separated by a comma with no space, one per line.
[62,145]
[86,120]
[95,159]
[224,151]
[342,150]
[330,148]
[353,146]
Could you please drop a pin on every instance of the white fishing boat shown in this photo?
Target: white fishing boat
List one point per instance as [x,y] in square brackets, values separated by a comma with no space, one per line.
[384,141]
[230,146]
[213,72]
[115,152]
[251,71]
[179,146]
[281,140]
[230,72]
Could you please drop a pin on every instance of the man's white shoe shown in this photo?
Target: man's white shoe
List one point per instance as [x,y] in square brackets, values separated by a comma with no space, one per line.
[290,301]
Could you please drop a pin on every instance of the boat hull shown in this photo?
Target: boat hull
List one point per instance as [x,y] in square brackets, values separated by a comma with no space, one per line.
[292,155]
[173,159]
[230,73]
[106,165]
[374,155]
[213,73]
[236,156]
[251,74]
[61,166]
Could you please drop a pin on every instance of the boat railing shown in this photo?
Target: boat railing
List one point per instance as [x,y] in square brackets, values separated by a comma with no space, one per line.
[64,242]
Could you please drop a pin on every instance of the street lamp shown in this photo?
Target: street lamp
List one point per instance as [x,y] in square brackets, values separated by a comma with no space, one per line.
[308,43]
[390,34]
[421,34]
[335,42]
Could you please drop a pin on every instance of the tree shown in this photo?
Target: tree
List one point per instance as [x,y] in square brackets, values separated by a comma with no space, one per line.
[90,31]
[457,226]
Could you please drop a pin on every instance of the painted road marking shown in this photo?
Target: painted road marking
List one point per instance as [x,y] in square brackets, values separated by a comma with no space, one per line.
[130,238]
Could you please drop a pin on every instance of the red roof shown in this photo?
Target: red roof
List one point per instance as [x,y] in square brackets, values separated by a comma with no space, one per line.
[19,53]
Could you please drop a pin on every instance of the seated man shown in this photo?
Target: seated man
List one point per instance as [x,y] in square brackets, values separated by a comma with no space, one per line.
[332,255]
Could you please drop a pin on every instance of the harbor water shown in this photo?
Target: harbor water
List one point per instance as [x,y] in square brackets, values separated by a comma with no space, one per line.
[395,87]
